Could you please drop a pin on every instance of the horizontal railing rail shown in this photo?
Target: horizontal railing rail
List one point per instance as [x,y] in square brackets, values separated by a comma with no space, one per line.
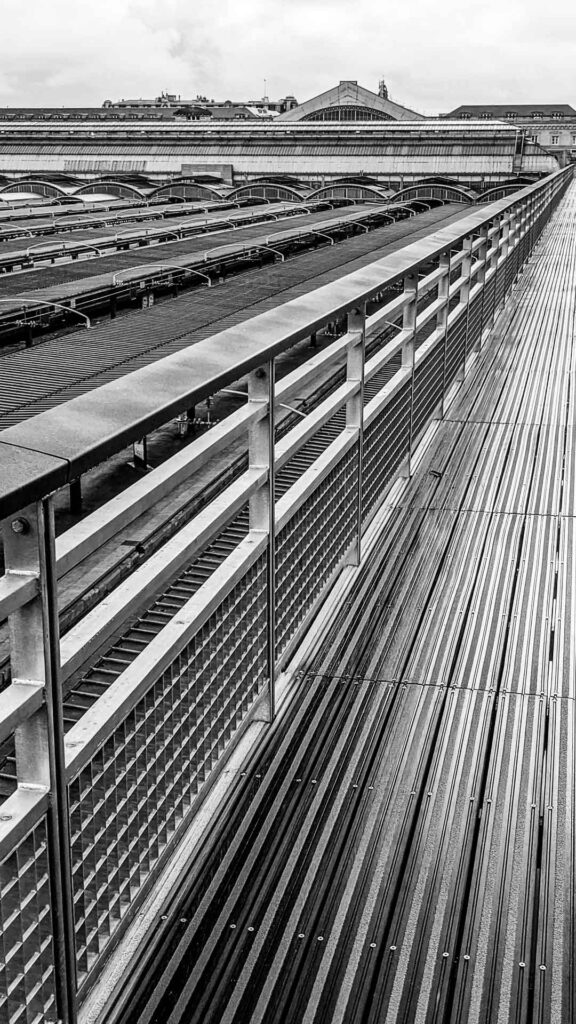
[116,726]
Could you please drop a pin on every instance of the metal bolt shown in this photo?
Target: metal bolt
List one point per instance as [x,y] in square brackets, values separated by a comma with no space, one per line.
[372,945]
[20,526]
[320,938]
[301,935]
[5,817]
[521,964]
[542,967]
[445,954]
[260,373]
[232,925]
[250,928]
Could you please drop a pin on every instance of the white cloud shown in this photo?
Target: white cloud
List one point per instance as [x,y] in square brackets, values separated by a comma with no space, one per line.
[434,56]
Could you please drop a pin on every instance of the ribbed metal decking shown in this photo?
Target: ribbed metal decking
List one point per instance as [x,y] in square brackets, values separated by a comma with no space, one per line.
[403,850]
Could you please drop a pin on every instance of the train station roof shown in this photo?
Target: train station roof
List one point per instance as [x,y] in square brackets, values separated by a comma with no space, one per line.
[349,101]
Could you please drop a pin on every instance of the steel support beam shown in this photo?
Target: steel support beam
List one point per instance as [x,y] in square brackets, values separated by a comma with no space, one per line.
[35,660]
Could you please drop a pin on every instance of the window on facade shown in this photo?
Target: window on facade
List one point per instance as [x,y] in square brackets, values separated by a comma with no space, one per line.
[347,113]
[554,140]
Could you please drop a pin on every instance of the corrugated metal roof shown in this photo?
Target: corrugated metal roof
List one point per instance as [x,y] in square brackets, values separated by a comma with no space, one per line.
[34,380]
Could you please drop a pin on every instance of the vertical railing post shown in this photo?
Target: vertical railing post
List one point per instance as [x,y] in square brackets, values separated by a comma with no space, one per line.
[263,502]
[40,763]
[481,280]
[409,348]
[355,409]
[442,317]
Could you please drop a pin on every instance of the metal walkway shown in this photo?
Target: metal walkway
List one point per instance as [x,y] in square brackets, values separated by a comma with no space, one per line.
[376,818]
[403,850]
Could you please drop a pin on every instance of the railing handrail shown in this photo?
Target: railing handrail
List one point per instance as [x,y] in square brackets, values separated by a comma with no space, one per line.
[49,450]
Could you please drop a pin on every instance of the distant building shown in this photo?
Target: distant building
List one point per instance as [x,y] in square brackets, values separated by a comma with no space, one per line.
[349,101]
[551,125]
[202,108]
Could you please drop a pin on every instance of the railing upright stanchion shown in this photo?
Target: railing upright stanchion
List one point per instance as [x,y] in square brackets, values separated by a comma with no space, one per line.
[261,389]
[29,550]
[355,409]
[409,348]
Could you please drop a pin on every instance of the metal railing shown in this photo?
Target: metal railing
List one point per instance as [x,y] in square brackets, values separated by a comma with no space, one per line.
[100,803]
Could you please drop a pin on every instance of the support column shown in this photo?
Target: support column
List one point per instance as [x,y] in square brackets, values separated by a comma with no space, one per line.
[40,762]
[75,491]
[140,454]
[355,410]
[263,502]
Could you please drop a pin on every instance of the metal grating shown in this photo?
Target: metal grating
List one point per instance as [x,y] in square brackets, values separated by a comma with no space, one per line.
[386,445]
[312,544]
[478,317]
[455,349]
[488,303]
[126,805]
[27,979]
[428,389]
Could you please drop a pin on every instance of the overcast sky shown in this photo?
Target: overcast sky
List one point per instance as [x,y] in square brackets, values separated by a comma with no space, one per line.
[76,52]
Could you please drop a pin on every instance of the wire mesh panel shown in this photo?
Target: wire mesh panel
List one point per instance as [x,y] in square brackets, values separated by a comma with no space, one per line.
[386,447]
[312,544]
[478,317]
[511,268]
[488,303]
[501,284]
[127,803]
[428,388]
[455,349]
[27,976]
